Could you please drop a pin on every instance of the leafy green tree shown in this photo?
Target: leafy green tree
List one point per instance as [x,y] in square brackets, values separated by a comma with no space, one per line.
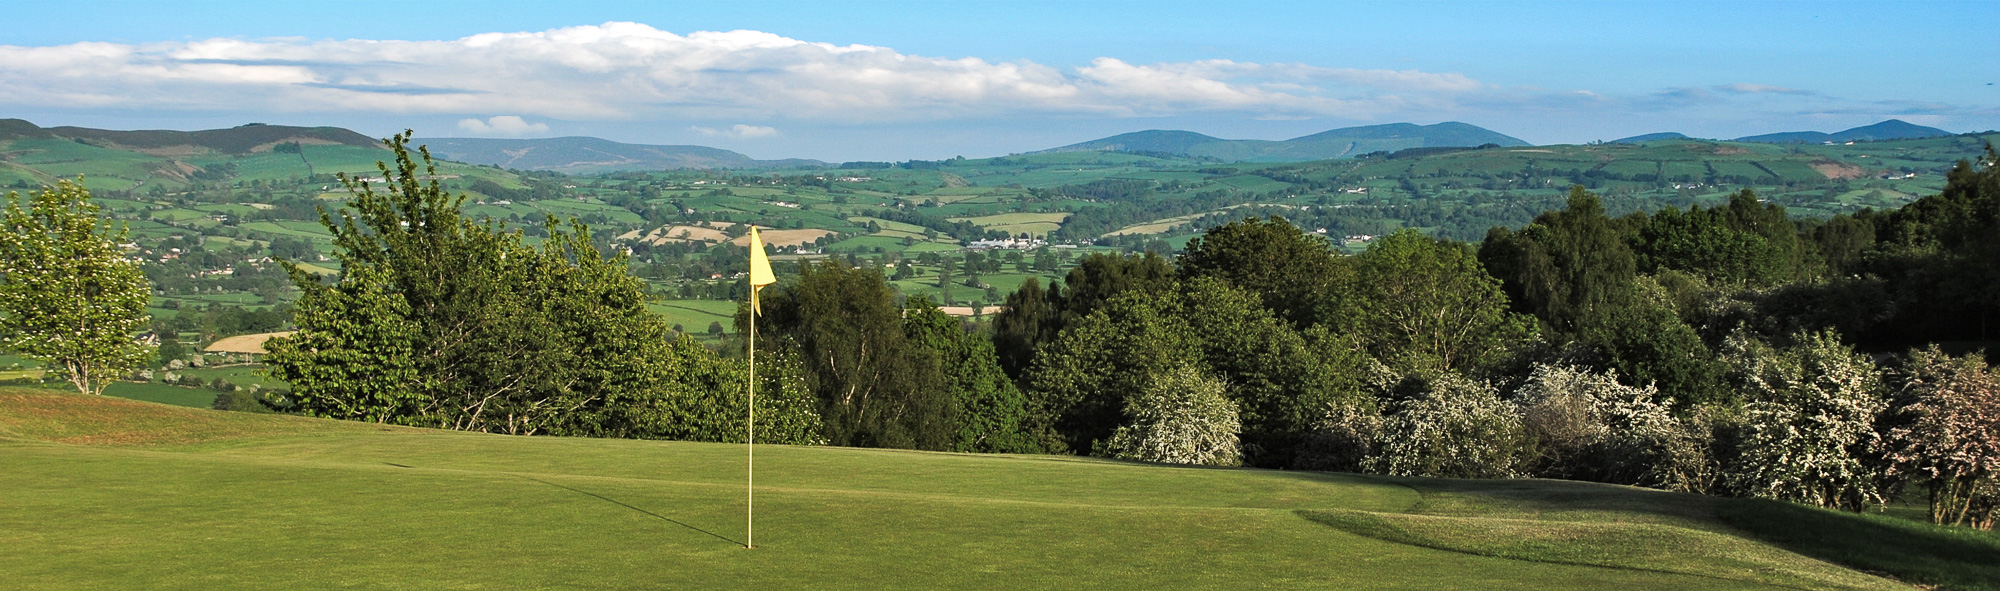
[1029,317]
[875,387]
[1081,380]
[1100,277]
[1180,417]
[1648,344]
[1280,380]
[67,297]
[1286,267]
[1422,303]
[1744,242]
[354,355]
[499,336]
[991,412]
[1566,267]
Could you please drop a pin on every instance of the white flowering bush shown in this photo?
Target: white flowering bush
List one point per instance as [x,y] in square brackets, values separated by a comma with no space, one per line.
[1181,416]
[1944,435]
[1454,428]
[1588,426]
[1808,431]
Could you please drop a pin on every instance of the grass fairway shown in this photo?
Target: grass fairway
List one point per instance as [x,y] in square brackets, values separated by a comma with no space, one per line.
[104,493]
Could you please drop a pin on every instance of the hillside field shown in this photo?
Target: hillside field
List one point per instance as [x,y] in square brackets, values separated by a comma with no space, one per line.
[106,493]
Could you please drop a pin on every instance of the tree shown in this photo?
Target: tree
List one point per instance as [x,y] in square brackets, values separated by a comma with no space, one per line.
[1944,434]
[1587,426]
[1029,317]
[1286,267]
[1081,380]
[490,334]
[1808,429]
[1452,428]
[1566,267]
[67,297]
[991,413]
[1181,417]
[1424,303]
[875,387]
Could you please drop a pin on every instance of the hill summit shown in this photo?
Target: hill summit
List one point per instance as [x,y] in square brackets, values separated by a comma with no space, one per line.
[585,155]
[1346,142]
[242,139]
[1893,129]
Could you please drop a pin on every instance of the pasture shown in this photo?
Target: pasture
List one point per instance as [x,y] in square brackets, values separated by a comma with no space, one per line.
[109,493]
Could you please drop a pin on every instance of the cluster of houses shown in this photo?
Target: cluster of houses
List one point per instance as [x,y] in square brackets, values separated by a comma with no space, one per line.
[1008,244]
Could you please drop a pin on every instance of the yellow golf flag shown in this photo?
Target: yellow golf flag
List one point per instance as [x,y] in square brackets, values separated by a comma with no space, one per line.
[760,269]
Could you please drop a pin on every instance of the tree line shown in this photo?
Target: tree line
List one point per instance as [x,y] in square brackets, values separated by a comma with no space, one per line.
[1723,350]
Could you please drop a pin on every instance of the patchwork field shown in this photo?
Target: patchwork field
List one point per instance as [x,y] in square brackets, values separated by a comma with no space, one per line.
[108,493]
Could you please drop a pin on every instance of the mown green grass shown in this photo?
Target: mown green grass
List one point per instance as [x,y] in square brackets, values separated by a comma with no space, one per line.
[109,494]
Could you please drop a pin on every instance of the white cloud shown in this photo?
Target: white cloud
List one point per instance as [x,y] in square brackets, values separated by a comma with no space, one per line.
[512,125]
[1745,88]
[621,71]
[737,131]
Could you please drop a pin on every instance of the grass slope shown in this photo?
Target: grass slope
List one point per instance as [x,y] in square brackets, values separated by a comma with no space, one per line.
[109,493]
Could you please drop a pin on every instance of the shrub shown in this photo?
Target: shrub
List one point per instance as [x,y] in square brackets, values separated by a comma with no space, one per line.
[239,401]
[1944,435]
[1181,416]
[1588,426]
[1809,427]
[1454,428]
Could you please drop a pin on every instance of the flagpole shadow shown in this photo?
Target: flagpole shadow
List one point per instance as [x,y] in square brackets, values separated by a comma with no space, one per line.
[628,506]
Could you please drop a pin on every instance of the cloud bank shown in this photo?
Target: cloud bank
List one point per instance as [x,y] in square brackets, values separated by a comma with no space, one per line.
[737,131]
[624,70]
[510,125]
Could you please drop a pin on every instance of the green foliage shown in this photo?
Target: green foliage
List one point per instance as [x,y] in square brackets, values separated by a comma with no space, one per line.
[991,412]
[1566,267]
[1426,304]
[68,297]
[440,320]
[353,357]
[1030,317]
[1286,267]
[875,386]
[1744,243]
[1080,381]
[1649,344]
[1180,417]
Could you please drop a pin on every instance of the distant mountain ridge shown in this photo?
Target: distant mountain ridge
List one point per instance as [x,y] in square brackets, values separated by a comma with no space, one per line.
[1346,142]
[1893,129]
[584,155]
[242,139]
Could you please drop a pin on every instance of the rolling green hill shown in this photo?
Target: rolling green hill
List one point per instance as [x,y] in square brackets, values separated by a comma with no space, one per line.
[109,493]
[1337,143]
[586,155]
[1893,129]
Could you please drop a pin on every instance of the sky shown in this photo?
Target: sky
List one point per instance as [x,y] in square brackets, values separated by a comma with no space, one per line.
[887,80]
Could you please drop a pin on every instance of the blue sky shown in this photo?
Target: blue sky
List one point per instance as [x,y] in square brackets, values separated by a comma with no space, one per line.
[897,80]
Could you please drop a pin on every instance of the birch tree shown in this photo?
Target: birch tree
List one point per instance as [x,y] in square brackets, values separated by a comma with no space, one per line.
[67,296]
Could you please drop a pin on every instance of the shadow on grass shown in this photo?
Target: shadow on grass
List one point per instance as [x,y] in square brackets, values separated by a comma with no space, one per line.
[627,506]
[1914,552]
